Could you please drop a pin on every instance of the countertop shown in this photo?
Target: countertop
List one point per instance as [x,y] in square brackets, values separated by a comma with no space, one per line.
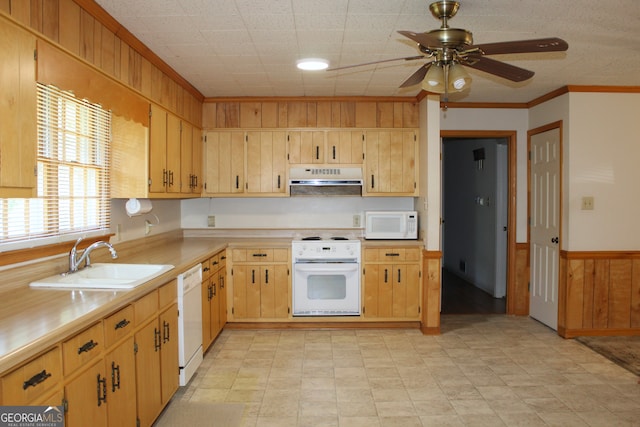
[34,319]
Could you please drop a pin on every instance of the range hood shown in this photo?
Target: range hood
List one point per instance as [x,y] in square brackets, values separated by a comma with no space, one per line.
[322,181]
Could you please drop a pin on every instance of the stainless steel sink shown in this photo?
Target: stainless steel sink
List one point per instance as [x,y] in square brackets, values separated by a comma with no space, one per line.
[105,276]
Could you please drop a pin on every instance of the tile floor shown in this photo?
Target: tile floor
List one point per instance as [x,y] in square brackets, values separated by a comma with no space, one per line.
[483,370]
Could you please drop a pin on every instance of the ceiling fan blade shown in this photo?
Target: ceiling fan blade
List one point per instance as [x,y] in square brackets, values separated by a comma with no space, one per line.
[500,69]
[552,44]
[406,58]
[418,76]
[424,39]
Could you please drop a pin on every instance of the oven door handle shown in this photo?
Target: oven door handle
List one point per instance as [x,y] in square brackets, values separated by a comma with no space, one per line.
[327,268]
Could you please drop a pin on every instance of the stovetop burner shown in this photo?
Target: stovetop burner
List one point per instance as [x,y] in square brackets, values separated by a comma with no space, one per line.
[312,238]
[325,238]
[339,238]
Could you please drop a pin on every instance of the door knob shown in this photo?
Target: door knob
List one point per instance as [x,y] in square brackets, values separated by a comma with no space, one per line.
[554,240]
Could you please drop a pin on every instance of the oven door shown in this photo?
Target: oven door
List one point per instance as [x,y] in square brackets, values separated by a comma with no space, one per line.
[326,289]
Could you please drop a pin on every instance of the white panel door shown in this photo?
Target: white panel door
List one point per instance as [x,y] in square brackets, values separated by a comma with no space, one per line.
[545,226]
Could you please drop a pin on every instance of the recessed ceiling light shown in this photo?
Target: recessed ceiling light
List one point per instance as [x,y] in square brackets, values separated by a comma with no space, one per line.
[312,64]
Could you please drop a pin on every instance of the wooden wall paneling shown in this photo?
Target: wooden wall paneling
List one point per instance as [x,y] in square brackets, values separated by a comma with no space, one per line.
[296,114]
[562,295]
[69,26]
[587,309]
[250,114]
[312,114]
[108,51]
[35,10]
[97,43]
[187,103]
[146,77]
[431,293]
[86,36]
[398,114]
[519,300]
[635,294]
[232,115]
[5,6]
[601,294]
[336,112]
[323,114]
[269,114]
[124,62]
[384,114]
[51,19]
[209,115]
[135,70]
[165,91]
[283,114]
[21,11]
[348,114]
[619,293]
[156,84]
[574,294]
[221,115]
[366,114]
[410,115]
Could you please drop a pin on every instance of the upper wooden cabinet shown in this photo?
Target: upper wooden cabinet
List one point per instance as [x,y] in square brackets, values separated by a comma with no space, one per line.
[391,163]
[319,146]
[164,151]
[224,163]
[345,147]
[266,158]
[18,103]
[190,159]
[306,147]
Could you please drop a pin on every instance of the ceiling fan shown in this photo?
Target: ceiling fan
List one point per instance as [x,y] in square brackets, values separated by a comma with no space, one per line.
[453,48]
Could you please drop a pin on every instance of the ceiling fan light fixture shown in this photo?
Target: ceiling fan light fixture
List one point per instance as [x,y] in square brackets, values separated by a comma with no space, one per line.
[458,77]
[434,79]
[312,64]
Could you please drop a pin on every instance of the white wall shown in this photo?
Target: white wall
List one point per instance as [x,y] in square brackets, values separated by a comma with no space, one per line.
[499,119]
[429,202]
[285,213]
[164,215]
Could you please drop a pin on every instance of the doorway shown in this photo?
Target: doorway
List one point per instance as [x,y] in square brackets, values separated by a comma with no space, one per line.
[478,221]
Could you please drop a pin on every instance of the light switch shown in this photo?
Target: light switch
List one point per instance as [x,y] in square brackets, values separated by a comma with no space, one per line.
[587,203]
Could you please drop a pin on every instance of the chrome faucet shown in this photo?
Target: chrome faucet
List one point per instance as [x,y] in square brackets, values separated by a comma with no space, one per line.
[74,261]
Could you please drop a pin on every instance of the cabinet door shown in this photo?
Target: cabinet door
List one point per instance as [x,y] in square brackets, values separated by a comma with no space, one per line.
[266,153]
[378,290]
[207,336]
[391,162]
[148,382]
[222,297]
[345,147]
[158,173]
[224,160]
[18,134]
[169,361]
[186,158]
[87,397]
[246,291]
[173,153]
[306,147]
[196,162]
[274,291]
[121,384]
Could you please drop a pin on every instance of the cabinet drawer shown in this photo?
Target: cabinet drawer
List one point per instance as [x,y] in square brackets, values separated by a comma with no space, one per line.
[206,268]
[215,263]
[145,307]
[168,293]
[391,254]
[253,255]
[118,325]
[33,379]
[82,348]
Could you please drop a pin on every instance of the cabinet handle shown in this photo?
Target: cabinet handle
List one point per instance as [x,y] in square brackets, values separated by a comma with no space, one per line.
[237,181]
[121,324]
[373,184]
[205,269]
[334,152]
[87,347]
[259,255]
[386,278]
[399,279]
[266,277]
[253,276]
[164,177]
[392,254]
[156,339]
[115,377]
[317,152]
[170,178]
[166,332]
[223,257]
[278,181]
[36,379]
[102,391]
[222,282]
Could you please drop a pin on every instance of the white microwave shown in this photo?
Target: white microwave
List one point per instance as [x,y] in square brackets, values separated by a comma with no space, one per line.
[391,225]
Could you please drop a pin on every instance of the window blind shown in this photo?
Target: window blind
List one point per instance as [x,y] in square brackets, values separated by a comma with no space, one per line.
[73,172]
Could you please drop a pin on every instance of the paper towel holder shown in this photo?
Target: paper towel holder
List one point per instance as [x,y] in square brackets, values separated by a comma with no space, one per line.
[136,207]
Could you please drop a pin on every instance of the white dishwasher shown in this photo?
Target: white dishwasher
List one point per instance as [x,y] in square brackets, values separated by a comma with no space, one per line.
[190,322]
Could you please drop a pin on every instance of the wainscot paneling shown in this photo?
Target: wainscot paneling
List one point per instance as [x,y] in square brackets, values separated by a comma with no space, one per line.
[518,300]
[599,293]
[431,285]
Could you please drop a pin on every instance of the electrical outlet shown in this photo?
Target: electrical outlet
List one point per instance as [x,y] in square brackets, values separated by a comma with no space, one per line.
[211,221]
[587,203]
[356,220]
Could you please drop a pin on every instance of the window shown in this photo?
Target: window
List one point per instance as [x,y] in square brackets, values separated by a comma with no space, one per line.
[73,175]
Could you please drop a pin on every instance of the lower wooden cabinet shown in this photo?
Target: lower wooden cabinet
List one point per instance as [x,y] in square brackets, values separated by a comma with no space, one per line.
[120,366]
[214,299]
[86,397]
[392,283]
